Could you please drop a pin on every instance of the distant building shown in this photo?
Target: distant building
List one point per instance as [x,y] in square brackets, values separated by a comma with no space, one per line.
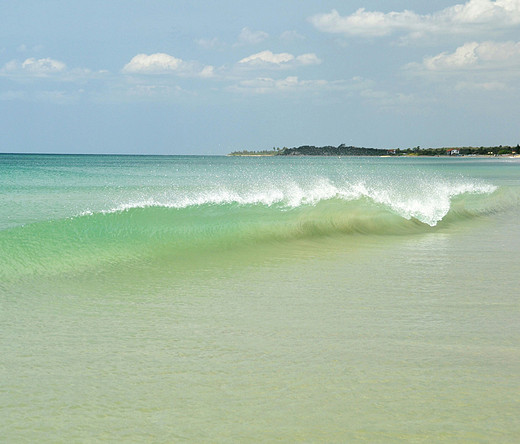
[453,152]
[392,151]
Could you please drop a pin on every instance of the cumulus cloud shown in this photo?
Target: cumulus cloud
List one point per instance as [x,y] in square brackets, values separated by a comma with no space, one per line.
[152,64]
[47,69]
[463,57]
[268,59]
[308,59]
[249,37]
[474,66]
[161,63]
[461,18]
[474,56]
[366,23]
[34,67]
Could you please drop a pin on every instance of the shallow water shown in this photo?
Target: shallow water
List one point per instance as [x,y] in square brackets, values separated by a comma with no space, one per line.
[213,299]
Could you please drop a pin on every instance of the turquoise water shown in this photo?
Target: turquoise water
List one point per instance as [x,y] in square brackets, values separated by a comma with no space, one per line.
[216,299]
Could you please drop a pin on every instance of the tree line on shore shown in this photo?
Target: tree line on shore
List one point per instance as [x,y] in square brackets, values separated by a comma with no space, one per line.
[344,150]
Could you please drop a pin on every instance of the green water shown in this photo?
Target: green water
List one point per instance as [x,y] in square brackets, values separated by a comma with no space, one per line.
[178,299]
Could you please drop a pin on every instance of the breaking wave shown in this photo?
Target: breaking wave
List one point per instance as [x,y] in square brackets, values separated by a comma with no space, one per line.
[225,218]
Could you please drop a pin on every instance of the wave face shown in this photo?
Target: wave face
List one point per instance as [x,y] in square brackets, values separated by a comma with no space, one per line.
[84,212]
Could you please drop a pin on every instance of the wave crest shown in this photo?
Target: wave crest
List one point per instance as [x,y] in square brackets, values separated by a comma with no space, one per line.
[223,219]
[428,203]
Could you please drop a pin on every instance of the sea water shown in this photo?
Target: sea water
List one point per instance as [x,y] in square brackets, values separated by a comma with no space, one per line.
[223,299]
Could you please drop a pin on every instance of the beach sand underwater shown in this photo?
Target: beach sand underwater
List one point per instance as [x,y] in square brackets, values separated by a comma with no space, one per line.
[259,299]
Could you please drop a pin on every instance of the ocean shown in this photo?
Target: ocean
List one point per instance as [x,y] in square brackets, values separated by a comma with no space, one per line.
[259,299]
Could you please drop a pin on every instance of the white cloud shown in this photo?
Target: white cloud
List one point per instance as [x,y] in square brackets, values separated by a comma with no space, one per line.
[464,56]
[485,66]
[160,63]
[249,37]
[47,69]
[265,85]
[461,18]
[152,64]
[365,23]
[33,67]
[267,57]
[308,59]
[475,56]
[505,12]
[284,59]
[43,66]
[207,71]
[293,84]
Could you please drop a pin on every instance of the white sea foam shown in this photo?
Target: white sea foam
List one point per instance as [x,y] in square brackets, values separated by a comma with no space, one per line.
[428,203]
[425,200]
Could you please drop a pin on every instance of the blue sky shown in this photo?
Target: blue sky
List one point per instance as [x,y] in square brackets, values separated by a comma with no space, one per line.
[210,77]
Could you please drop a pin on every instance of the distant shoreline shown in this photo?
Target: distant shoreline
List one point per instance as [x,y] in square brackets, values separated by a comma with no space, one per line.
[343,150]
[473,156]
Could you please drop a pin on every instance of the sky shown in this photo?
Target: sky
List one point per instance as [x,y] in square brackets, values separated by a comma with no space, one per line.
[211,77]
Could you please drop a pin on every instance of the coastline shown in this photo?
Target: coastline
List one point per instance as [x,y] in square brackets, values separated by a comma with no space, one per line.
[344,150]
[477,156]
